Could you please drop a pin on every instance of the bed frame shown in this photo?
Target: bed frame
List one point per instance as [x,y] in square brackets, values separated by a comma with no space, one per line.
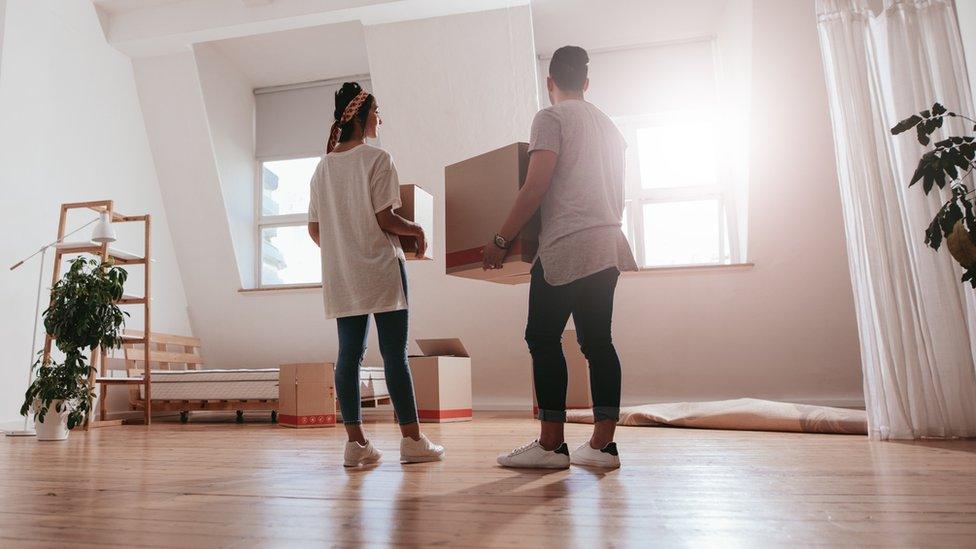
[177,353]
[169,350]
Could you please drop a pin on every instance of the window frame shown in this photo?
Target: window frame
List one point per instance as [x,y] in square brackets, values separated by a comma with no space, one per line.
[636,196]
[262,222]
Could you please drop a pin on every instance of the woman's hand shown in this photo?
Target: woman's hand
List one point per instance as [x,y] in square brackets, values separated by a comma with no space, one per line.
[421,242]
[493,256]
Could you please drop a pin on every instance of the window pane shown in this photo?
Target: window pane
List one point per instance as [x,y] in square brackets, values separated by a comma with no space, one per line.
[676,156]
[288,256]
[681,233]
[285,185]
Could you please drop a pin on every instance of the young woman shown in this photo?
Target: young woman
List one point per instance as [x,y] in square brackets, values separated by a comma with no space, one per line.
[354,193]
[576,180]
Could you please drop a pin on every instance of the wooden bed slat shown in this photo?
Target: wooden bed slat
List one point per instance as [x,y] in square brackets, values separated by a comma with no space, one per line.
[157,337]
[164,357]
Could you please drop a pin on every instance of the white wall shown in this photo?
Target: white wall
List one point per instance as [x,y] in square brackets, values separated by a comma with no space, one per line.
[430,121]
[71,130]
[229,105]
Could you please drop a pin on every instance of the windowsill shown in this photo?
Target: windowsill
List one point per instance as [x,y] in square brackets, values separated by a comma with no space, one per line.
[713,268]
[283,288]
[676,269]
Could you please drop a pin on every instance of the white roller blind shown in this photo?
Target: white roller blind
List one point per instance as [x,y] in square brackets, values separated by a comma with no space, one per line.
[295,122]
[649,79]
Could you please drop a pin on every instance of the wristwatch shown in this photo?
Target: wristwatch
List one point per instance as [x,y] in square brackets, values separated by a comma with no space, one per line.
[501,242]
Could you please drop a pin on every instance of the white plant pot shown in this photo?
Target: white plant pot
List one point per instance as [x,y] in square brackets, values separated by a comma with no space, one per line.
[54,426]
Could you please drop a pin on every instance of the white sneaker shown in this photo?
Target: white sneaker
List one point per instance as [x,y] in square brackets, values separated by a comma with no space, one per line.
[420,451]
[591,457]
[534,456]
[357,454]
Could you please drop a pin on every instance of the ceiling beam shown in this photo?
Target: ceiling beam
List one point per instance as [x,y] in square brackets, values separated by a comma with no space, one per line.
[169,28]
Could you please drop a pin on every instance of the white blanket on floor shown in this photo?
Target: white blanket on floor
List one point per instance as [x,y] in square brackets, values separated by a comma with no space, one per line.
[745,414]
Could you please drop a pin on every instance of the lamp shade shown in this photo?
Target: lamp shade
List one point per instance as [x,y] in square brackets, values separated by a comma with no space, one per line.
[103,232]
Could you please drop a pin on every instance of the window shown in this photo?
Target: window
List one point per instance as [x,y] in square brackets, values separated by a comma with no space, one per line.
[677,200]
[288,255]
[292,123]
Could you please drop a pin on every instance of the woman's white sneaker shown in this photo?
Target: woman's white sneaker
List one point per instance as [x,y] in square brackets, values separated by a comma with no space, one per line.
[606,457]
[420,451]
[356,454]
[534,456]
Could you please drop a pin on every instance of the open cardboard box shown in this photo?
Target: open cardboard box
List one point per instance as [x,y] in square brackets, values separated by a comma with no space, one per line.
[306,395]
[478,194]
[442,381]
[578,389]
[417,205]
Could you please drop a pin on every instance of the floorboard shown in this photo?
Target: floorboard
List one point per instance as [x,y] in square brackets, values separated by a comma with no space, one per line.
[220,484]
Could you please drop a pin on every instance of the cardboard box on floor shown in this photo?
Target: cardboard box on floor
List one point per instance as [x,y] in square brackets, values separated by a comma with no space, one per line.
[478,194]
[306,395]
[417,206]
[442,381]
[578,389]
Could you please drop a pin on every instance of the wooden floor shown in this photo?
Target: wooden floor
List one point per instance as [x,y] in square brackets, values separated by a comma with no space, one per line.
[258,484]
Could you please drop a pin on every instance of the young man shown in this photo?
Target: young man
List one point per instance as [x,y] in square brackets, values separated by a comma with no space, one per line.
[576,178]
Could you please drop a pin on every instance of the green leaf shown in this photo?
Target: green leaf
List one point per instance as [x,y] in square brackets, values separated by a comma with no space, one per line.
[906,124]
[938,109]
[922,134]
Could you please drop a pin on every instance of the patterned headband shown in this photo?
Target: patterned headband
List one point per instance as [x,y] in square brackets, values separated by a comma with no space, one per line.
[347,114]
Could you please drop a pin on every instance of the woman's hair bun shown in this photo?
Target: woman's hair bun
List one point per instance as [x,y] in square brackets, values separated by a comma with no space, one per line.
[346,93]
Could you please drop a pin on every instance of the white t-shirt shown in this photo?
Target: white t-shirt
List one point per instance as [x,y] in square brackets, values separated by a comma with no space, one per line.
[581,212]
[360,261]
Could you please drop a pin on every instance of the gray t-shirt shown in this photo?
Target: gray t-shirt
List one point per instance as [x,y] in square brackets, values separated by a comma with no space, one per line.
[582,210]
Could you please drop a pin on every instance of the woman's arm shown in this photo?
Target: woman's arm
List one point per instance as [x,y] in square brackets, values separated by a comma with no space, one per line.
[313,231]
[542,164]
[393,223]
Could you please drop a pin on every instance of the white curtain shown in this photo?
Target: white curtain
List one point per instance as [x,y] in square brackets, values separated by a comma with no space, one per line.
[917,322]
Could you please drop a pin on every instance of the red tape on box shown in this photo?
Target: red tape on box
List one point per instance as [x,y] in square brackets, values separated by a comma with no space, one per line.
[444,414]
[476,255]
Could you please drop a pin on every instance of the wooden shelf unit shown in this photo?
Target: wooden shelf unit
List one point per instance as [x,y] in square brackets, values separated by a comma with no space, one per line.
[98,356]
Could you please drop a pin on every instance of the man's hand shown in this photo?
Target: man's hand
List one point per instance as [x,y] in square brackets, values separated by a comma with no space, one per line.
[493,256]
[421,242]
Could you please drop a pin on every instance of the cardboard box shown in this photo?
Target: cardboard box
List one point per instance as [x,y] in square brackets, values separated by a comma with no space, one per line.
[442,381]
[478,194]
[578,389]
[417,206]
[372,382]
[306,395]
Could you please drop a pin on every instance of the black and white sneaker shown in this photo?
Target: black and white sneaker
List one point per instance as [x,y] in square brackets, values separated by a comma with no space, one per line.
[534,456]
[606,457]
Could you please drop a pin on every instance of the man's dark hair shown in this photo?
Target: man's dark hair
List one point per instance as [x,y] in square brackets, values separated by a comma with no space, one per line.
[343,97]
[568,68]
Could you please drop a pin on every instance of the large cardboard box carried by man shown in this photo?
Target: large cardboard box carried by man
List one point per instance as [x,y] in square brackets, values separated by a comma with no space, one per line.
[442,381]
[306,395]
[478,194]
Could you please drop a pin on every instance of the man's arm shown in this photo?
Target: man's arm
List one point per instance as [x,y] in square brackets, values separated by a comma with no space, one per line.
[542,164]
[394,224]
[313,231]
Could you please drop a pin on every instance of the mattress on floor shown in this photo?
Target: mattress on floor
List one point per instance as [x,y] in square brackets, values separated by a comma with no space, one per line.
[238,384]
[372,383]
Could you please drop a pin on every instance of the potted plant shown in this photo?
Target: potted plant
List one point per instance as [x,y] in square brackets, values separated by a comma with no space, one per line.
[83,315]
[948,163]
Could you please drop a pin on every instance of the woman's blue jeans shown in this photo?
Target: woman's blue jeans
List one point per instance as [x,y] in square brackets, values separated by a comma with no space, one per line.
[391,327]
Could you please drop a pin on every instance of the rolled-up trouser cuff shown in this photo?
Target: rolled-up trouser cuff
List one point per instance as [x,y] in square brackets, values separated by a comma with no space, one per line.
[401,421]
[352,422]
[552,415]
[602,413]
